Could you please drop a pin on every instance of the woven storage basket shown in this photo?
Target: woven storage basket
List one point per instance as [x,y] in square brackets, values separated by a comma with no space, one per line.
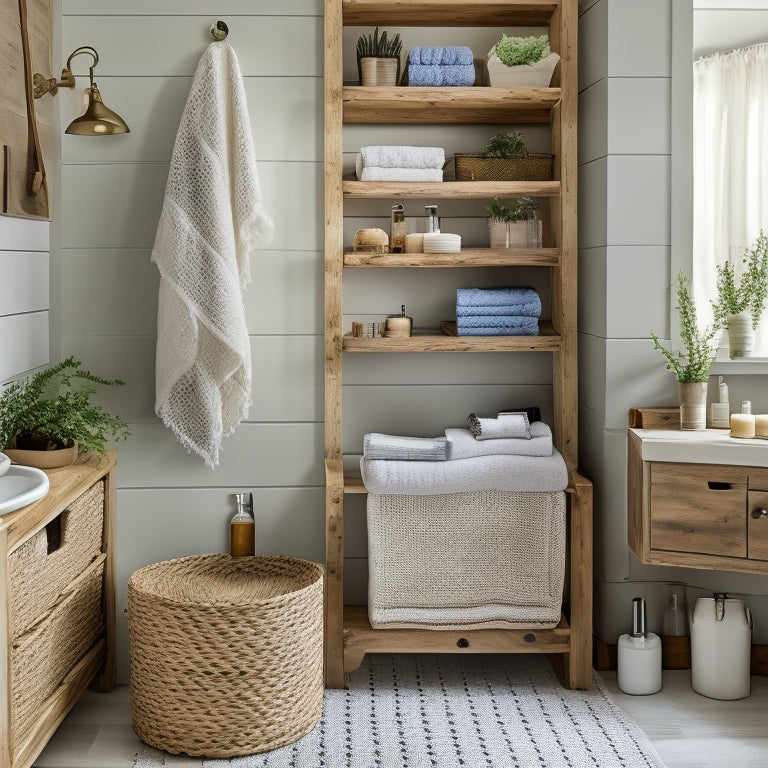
[475,560]
[226,653]
[533,166]
[42,658]
[37,578]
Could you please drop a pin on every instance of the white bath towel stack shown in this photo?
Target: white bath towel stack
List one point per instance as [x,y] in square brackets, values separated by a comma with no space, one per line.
[211,220]
[400,163]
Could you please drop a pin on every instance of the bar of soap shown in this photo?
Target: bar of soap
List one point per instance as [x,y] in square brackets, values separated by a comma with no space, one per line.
[742,425]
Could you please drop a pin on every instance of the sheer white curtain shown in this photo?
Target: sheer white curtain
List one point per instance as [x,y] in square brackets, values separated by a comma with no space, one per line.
[730,164]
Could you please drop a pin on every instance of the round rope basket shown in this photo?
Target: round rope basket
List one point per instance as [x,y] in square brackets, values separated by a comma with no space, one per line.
[226,653]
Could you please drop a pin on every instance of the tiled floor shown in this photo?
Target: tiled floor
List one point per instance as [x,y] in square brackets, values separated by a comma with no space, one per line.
[688,730]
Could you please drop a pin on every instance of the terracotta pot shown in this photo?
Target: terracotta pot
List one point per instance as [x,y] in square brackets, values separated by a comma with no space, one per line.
[693,404]
[61,457]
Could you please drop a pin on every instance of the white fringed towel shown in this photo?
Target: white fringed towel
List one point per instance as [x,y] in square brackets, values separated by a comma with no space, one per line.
[211,219]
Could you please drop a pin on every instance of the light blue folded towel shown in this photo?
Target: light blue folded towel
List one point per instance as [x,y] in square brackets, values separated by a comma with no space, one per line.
[454,74]
[499,326]
[496,297]
[441,55]
[521,309]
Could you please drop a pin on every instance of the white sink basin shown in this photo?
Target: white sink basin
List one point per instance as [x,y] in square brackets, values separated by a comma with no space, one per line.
[5,462]
[20,486]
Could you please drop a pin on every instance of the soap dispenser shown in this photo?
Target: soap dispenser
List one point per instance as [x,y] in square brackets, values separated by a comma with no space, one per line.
[639,655]
[242,528]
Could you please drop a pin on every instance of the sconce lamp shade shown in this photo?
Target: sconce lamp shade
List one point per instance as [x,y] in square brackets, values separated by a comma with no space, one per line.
[98,119]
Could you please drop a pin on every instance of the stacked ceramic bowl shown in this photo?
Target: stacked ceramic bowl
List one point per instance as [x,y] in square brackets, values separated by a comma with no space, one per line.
[441,242]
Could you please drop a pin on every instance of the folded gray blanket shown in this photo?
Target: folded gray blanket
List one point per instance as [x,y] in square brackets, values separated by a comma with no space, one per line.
[462,444]
[396,448]
[514,425]
[501,473]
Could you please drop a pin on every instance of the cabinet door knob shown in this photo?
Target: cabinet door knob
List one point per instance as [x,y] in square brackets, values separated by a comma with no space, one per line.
[757,513]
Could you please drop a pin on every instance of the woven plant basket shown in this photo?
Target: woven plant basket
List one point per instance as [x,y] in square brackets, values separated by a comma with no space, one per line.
[533,166]
[226,653]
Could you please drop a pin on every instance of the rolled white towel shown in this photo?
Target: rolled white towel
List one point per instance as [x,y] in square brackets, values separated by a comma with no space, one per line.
[403,157]
[462,444]
[507,425]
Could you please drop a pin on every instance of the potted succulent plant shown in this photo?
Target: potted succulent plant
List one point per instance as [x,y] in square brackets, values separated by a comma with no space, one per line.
[504,157]
[46,419]
[691,366]
[378,58]
[521,61]
[741,295]
[507,223]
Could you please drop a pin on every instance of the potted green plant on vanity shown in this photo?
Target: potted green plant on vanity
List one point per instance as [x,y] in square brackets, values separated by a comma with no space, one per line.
[741,295]
[691,366]
[46,419]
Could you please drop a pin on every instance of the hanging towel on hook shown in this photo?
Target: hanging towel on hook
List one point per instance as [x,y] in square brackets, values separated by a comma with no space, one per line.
[211,220]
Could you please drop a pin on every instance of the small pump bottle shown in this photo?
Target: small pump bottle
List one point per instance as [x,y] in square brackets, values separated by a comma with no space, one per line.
[242,528]
[639,656]
[432,221]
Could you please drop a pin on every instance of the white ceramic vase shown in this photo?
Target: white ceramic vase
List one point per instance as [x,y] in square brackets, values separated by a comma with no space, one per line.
[693,404]
[740,335]
[508,234]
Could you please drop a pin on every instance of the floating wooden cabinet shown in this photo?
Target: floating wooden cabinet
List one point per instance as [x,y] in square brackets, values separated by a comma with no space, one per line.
[697,515]
[57,605]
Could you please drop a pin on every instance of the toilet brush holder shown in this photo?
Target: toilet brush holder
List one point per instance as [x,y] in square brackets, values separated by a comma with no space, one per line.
[639,656]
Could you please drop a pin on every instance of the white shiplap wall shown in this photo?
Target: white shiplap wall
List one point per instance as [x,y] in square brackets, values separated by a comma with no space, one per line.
[168,503]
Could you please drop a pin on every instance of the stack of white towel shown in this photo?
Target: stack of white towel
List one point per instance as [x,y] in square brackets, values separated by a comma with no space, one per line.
[398,163]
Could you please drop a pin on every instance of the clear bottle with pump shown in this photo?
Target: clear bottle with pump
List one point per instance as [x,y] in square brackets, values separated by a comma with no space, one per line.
[721,411]
[639,656]
[242,528]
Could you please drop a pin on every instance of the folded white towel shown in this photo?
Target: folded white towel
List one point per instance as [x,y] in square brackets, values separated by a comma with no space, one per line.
[482,473]
[403,157]
[462,444]
[211,220]
[377,173]
[395,447]
[507,425]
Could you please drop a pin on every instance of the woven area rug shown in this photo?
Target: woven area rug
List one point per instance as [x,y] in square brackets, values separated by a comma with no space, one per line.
[446,711]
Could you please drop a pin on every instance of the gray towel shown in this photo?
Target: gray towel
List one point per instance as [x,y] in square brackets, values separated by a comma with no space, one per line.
[506,425]
[462,444]
[397,448]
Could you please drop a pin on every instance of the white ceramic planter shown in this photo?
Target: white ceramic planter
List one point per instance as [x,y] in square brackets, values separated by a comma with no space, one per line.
[508,234]
[741,337]
[539,74]
[693,404]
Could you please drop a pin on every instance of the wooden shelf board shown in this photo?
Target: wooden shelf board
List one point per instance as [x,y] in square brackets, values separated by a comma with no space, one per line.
[360,638]
[448,13]
[546,341]
[458,190]
[467,257]
[431,105]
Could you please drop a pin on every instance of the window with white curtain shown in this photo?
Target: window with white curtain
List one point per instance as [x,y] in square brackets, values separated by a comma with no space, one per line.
[730,166]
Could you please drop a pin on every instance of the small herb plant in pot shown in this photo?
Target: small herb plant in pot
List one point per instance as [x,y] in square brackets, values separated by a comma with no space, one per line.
[741,295]
[378,58]
[691,366]
[507,223]
[52,411]
[521,61]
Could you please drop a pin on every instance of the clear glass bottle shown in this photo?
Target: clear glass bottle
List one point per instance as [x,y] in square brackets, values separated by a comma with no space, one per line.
[242,527]
[397,229]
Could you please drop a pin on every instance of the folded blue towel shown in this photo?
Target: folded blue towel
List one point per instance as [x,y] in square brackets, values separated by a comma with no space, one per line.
[454,74]
[499,326]
[519,301]
[441,55]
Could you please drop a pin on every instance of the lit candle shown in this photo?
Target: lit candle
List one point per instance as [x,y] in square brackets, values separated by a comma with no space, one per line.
[761,425]
[742,425]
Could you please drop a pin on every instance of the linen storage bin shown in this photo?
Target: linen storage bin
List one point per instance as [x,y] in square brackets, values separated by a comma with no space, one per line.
[43,657]
[476,560]
[38,577]
[226,653]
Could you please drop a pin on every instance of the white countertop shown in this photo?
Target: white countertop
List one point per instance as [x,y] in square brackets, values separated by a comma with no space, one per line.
[708,446]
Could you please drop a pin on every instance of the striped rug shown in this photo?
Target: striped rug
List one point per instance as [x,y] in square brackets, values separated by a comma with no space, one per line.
[454,711]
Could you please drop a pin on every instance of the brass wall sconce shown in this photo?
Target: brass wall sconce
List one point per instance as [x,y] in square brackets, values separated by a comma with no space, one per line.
[98,119]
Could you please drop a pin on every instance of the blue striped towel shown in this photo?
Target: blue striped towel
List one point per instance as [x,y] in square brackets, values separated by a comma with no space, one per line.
[441,55]
[517,301]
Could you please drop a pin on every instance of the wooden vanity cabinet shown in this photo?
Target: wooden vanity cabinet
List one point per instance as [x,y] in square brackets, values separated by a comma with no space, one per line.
[711,516]
[57,605]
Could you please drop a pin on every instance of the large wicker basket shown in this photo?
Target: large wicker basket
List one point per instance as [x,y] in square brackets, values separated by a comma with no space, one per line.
[533,166]
[226,653]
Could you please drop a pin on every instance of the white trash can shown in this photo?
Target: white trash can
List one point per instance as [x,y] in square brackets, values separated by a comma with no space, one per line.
[721,639]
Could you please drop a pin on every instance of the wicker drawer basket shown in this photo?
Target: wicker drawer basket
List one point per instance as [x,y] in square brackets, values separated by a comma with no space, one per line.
[37,577]
[534,166]
[42,658]
[226,653]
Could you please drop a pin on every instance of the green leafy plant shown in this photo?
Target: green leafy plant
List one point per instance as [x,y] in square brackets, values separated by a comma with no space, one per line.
[748,290]
[700,345]
[514,51]
[506,210]
[504,145]
[379,46]
[53,409]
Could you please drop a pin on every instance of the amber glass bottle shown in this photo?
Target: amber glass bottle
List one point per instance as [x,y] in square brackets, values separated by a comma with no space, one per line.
[242,528]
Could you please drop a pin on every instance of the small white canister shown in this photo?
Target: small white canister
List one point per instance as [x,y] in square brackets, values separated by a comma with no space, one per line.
[721,640]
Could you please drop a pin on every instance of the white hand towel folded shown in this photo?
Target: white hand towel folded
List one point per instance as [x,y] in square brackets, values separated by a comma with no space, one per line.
[403,157]
[507,425]
[211,219]
[395,447]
